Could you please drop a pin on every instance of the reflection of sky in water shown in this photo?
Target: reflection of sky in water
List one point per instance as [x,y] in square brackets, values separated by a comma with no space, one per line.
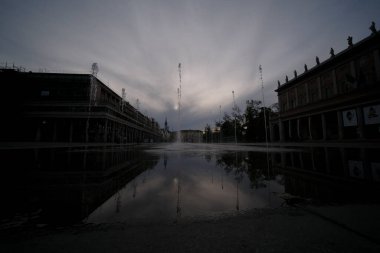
[204,189]
[62,185]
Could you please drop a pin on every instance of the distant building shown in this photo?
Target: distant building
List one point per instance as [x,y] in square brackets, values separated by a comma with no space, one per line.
[193,136]
[55,107]
[337,99]
[165,132]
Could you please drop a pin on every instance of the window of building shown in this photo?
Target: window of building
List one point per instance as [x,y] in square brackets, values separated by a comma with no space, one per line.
[45,93]
[365,66]
[301,94]
[283,102]
[292,98]
[327,85]
[344,80]
[313,90]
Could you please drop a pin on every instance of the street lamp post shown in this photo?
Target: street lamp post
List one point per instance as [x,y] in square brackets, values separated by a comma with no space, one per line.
[234,108]
[220,123]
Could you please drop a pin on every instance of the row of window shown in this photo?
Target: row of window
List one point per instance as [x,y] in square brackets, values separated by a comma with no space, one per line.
[343,79]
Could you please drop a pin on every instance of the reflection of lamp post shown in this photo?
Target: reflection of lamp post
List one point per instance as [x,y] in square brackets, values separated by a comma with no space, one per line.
[234,108]
[237,183]
[222,180]
[134,189]
[237,195]
[118,202]
[179,211]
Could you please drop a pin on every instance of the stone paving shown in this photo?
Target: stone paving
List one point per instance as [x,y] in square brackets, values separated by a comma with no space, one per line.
[286,229]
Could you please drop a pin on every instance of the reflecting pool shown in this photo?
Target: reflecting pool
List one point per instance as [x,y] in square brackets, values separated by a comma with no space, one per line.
[168,182]
[191,180]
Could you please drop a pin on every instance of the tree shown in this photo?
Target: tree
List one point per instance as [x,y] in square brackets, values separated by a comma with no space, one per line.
[207,136]
[275,108]
[238,120]
[227,126]
[251,114]
[260,124]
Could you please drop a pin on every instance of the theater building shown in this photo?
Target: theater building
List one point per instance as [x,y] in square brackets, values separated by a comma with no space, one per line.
[338,99]
[56,107]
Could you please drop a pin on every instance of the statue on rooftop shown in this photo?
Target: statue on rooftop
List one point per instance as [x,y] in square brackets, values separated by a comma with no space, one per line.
[94,69]
[295,73]
[317,60]
[373,28]
[286,79]
[305,68]
[332,52]
[349,40]
[278,83]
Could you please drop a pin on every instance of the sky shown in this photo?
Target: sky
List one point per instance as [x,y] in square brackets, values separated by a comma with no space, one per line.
[220,44]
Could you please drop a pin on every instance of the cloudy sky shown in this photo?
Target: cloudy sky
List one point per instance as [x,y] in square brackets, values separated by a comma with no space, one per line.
[220,44]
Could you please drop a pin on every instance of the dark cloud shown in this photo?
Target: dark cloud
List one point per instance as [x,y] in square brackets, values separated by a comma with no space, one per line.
[138,45]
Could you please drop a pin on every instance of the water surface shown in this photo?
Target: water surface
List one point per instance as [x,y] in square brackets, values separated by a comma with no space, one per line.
[192,180]
[168,182]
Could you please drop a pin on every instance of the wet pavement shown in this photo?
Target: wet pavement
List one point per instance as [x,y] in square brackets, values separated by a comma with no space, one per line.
[266,230]
[190,197]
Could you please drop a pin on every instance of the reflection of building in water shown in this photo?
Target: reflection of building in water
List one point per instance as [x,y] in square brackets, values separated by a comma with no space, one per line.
[68,184]
[335,100]
[68,108]
[332,173]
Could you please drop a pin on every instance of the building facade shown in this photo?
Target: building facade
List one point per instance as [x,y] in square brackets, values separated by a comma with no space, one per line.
[191,136]
[55,107]
[338,99]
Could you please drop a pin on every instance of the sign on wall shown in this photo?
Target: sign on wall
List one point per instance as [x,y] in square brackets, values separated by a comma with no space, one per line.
[356,168]
[376,171]
[371,114]
[349,118]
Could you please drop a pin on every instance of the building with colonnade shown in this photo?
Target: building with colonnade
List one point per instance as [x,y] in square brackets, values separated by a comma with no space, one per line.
[338,99]
[58,107]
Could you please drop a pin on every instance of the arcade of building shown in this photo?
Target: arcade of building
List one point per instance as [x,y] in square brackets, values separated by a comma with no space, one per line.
[56,107]
[338,99]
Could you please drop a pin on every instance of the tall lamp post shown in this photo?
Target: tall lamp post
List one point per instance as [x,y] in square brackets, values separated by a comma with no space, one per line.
[220,123]
[233,108]
[179,90]
[262,92]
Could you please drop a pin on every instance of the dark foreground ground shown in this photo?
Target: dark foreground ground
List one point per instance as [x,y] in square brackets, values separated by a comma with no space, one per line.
[353,228]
